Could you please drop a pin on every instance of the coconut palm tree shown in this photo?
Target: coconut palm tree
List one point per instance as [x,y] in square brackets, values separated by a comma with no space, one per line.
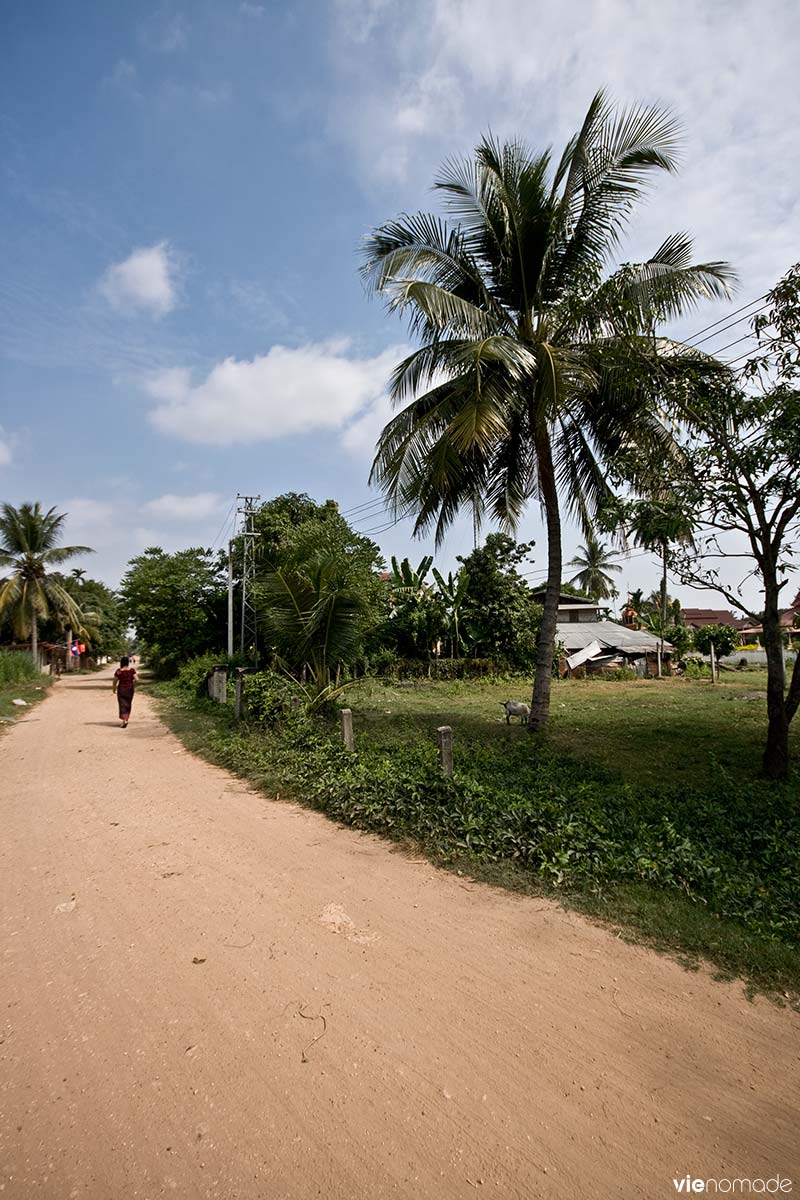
[538,365]
[656,525]
[29,546]
[315,612]
[595,561]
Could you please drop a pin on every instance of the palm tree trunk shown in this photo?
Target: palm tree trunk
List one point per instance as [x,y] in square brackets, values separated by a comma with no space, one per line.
[545,646]
[35,640]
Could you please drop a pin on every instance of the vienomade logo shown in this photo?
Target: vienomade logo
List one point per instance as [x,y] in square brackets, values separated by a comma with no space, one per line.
[740,1186]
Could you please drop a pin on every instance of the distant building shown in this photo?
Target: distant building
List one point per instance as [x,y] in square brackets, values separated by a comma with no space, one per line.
[593,645]
[699,618]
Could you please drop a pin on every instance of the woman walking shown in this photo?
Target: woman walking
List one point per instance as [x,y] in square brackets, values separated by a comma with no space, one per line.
[124,684]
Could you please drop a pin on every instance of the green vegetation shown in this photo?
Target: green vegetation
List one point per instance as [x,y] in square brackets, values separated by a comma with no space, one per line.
[16,666]
[644,807]
[32,592]
[594,561]
[176,602]
[19,680]
[739,476]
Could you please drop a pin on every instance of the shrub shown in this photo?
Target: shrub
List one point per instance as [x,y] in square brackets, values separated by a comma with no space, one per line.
[192,676]
[271,699]
[697,669]
[15,666]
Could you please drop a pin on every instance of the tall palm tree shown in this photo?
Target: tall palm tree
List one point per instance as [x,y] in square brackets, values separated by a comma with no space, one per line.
[29,546]
[594,561]
[537,366]
[657,524]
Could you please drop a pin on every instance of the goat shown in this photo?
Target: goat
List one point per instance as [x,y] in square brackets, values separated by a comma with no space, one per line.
[515,708]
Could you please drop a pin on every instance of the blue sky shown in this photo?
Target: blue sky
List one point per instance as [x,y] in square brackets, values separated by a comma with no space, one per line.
[183,189]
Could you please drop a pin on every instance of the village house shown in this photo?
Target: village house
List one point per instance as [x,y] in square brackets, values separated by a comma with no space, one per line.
[593,644]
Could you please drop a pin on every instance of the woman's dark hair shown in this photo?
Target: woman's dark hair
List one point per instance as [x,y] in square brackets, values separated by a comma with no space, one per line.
[123,662]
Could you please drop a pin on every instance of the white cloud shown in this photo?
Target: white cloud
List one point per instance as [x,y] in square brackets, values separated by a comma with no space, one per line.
[83,513]
[361,435]
[144,282]
[436,75]
[170,507]
[5,448]
[319,386]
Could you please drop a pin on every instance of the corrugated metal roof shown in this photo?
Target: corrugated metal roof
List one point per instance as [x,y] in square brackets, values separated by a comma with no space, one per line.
[578,635]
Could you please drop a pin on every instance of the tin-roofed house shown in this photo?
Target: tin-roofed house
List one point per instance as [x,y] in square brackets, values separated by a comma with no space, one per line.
[593,645]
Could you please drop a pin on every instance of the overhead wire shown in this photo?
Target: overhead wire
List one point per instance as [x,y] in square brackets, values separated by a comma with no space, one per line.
[375,502]
[223,527]
[693,337]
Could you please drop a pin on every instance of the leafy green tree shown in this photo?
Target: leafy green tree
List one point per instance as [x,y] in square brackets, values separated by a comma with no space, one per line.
[102,621]
[312,563]
[176,603]
[500,616]
[278,520]
[742,453]
[537,365]
[29,548]
[724,639]
[595,561]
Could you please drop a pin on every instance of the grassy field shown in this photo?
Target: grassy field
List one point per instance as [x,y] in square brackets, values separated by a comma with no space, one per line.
[651,730]
[642,807]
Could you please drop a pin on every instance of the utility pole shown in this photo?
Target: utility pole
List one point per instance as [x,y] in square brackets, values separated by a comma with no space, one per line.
[247,511]
[230,598]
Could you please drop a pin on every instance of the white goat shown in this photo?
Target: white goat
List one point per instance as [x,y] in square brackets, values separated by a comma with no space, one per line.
[516,708]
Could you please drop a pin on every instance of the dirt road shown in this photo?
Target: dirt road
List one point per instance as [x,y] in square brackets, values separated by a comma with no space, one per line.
[208,994]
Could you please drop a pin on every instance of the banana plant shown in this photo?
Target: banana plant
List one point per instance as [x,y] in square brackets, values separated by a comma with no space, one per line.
[453,592]
[409,584]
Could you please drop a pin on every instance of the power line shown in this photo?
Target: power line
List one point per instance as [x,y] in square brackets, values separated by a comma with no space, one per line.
[381,528]
[376,502]
[724,328]
[692,338]
[223,527]
[747,337]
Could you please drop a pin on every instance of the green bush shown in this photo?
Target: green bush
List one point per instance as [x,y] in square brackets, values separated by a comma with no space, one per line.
[270,699]
[192,676]
[444,668]
[697,669]
[15,666]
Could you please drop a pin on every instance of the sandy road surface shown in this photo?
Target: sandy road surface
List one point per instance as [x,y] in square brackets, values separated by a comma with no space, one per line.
[205,993]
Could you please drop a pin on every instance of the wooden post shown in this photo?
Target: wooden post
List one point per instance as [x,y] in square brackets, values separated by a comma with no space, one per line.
[346,718]
[444,738]
[713,663]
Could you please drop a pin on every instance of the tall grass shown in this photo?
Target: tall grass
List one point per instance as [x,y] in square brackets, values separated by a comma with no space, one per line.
[15,666]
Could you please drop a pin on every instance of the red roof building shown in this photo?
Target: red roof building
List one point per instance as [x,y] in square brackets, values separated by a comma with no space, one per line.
[698,618]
